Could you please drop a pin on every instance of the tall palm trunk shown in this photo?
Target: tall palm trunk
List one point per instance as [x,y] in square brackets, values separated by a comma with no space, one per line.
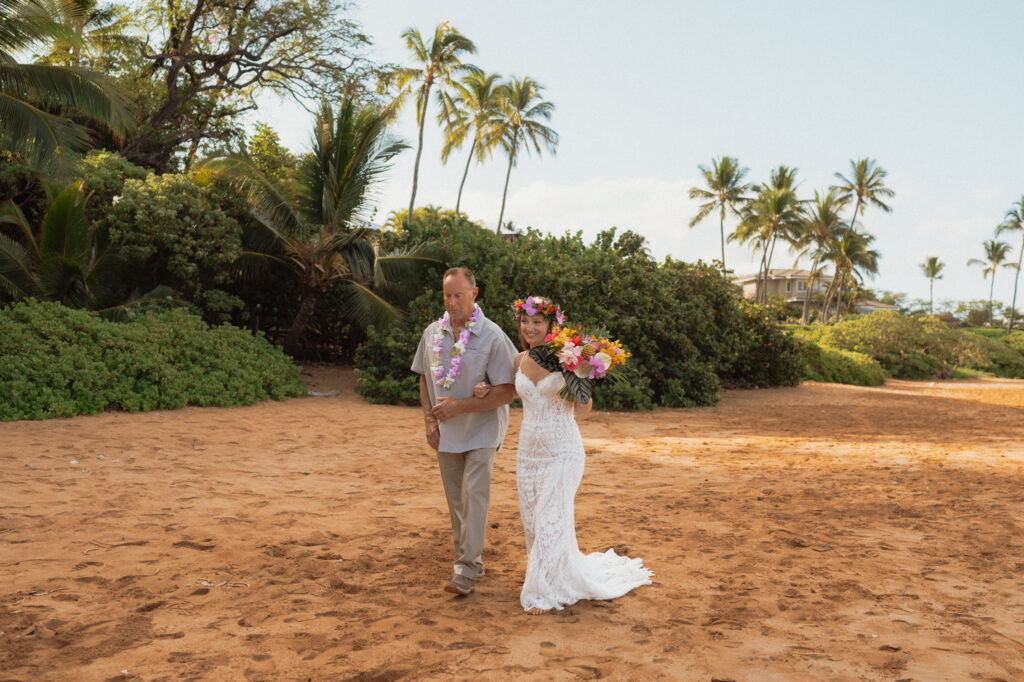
[419,150]
[855,209]
[762,276]
[839,296]
[458,201]
[808,290]
[504,194]
[721,232]
[291,339]
[768,265]
[991,292]
[827,303]
[1016,278]
[931,295]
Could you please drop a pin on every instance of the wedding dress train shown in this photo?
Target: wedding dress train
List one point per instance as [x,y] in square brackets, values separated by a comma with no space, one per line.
[549,466]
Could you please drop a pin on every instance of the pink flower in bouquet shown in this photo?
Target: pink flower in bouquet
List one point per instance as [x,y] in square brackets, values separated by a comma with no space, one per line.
[599,364]
[570,356]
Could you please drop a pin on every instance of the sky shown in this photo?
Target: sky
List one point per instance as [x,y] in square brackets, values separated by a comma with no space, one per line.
[645,92]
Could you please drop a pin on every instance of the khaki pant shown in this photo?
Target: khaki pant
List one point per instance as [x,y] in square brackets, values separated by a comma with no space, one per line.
[467,485]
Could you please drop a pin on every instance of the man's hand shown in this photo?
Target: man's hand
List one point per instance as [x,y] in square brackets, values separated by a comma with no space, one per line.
[433,433]
[445,409]
[482,389]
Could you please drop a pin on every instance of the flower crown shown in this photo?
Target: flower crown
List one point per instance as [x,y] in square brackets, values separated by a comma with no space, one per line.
[538,305]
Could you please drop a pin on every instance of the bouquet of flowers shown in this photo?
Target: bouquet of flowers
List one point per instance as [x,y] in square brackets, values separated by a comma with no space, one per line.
[582,358]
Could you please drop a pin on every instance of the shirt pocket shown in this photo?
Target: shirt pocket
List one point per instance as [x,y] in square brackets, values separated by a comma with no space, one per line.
[474,365]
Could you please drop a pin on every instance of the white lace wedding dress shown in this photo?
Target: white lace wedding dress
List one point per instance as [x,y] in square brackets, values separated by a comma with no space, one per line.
[549,466]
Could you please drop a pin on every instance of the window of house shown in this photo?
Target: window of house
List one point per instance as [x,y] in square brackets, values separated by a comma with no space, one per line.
[801,286]
[789,286]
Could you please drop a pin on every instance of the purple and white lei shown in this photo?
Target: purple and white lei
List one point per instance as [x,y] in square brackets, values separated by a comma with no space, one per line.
[455,365]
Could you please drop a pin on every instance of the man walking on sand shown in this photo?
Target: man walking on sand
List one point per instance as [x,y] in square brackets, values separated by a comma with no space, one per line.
[457,352]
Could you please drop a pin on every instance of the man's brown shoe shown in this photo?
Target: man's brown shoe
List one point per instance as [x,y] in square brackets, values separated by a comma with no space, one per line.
[459,584]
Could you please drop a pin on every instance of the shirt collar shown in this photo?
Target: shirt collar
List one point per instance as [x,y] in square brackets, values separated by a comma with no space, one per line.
[475,331]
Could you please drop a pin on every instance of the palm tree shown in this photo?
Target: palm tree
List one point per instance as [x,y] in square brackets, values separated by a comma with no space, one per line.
[815,234]
[63,260]
[439,61]
[317,233]
[100,32]
[932,269]
[774,212]
[1014,222]
[996,254]
[725,191]
[867,183]
[519,126]
[852,258]
[31,93]
[474,109]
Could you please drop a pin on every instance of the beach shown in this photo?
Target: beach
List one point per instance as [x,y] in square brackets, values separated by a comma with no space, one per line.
[817,532]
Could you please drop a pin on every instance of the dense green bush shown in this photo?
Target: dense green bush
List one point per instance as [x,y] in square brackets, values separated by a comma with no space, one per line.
[61,362]
[833,365]
[687,331]
[103,175]
[908,347]
[175,233]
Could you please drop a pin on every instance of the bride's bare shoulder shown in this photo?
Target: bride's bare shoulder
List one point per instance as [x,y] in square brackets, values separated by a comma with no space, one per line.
[519,359]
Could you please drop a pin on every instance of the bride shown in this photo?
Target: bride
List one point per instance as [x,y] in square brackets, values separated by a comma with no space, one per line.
[549,466]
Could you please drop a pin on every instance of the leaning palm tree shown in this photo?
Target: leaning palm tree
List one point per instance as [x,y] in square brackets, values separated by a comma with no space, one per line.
[1014,222]
[851,258]
[474,110]
[867,183]
[439,62]
[932,269]
[35,98]
[818,229]
[520,126]
[725,191]
[318,233]
[996,253]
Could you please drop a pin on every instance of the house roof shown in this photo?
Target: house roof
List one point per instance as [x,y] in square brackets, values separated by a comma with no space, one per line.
[783,274]
[875,304]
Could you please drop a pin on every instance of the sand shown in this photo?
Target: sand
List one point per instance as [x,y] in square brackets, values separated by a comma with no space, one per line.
[821,532]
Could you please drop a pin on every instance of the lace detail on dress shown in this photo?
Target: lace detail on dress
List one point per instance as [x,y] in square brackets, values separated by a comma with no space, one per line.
[549,467]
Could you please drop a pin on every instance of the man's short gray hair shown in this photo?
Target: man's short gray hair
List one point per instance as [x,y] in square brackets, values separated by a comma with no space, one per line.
[464,272]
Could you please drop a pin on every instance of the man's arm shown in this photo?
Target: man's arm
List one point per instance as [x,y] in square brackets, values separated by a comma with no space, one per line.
[429,420]
[447,408]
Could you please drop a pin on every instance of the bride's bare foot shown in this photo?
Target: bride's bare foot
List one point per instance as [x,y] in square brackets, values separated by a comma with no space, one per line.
[537,612]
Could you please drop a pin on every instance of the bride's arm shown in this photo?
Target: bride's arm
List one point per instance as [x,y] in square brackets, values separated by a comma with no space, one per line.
[584,408]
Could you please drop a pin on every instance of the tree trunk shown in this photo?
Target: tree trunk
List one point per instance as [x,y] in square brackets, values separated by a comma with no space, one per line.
[291,339]
[1016,278]
[419,152]
[829,293]
[511,158]
[807,292]
[991,292]
[768,266]
[762,276]
[839,296]
[855,209]
[721,231]
[931,295]
[458,201]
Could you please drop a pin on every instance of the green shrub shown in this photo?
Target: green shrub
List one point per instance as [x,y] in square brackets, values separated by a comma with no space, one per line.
[922,347]
[682,323]
[174,233]
[833,365]
[60,362]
